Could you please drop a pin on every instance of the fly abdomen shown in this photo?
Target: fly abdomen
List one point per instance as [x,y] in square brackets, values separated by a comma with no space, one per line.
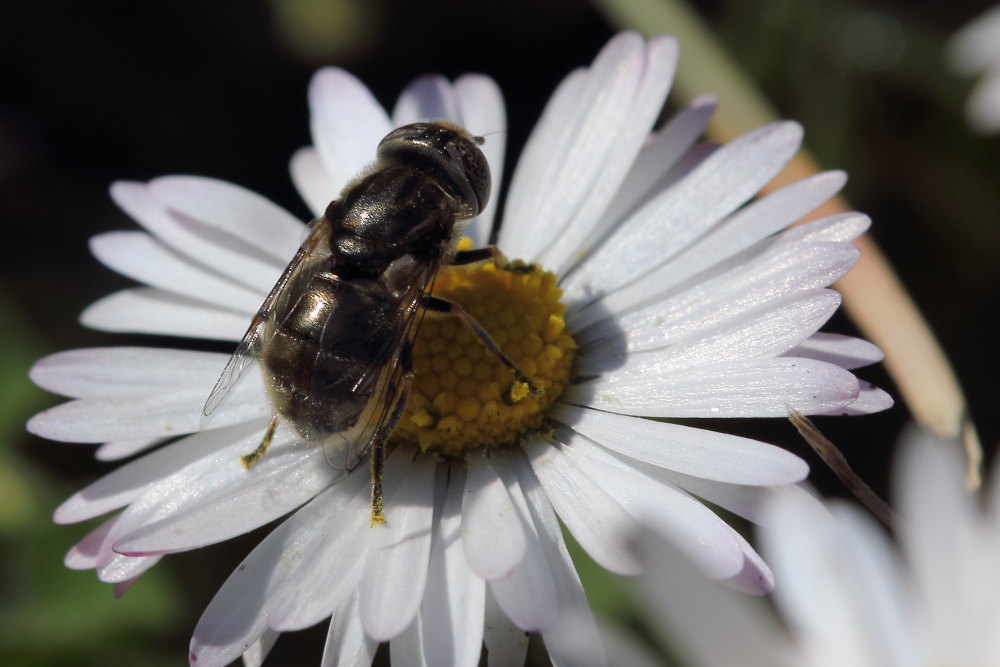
[323,359]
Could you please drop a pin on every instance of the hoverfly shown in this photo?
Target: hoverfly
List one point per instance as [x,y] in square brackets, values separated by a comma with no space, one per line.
[334,335]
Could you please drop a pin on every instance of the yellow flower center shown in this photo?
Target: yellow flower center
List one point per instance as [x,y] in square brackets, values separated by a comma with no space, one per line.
[462,397]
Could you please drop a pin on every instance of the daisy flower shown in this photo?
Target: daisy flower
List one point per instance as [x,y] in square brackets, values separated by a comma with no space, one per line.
[650,285]
[845,595]
[975,50]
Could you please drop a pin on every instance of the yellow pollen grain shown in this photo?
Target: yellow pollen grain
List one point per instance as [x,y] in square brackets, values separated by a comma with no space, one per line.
[553,327]
[421,418]
[462,397]
[518,392]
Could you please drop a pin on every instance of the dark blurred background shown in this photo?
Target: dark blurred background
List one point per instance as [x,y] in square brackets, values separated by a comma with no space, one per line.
[99,91]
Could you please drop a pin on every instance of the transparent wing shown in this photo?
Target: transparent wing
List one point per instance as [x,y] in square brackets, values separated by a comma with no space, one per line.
[308,258]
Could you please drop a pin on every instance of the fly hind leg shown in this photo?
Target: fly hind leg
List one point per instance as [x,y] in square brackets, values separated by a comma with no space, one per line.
[250,459]
[384,430]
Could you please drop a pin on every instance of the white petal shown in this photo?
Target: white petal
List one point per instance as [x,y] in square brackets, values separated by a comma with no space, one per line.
[987,647]
[242,215]
[763,273]
[834,586]
[83,555]
[597,521]
[756,221]
[840,228]
[541,155]
[563,649]
[312,181]
[748,226]
[141,257]
[676,217]
[429,97]
[992,499]
[688,162]
[97,420]
[240,610]
[713,626]
[578,642]
[119,372]
[482,111]
[578,132]
[700,532]
[322,564]
[756,577]
[396,572]
[506,644]
[845,351]
[883,592]
[112,567]
[257,653]
[152,311]
[763,217]
[121,449]
[983,107]
[130,481]
[234,619]
[870,400]
[222,251]
[451,613]
[767,331]
[743,500]
[492,534]
[973,50]
[948,546]
[217,498]
[588,224]
[663,150]
[623,648]
[528,596]
[347,123]
[693,451]
[172,412]
[974,47]
[218,646]
[95,551]
[748,388]
[118,569]
[407,647]
[347,645]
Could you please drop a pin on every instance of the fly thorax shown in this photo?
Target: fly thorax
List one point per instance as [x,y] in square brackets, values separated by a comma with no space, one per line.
[394,212]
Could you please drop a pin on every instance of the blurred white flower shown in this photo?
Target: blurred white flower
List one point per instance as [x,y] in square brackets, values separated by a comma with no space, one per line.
[683,299]
[845,594]
[975,51]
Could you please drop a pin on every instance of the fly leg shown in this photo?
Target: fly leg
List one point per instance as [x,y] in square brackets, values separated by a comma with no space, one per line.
[475,255]
[438,305]
[383,432]
[249,459]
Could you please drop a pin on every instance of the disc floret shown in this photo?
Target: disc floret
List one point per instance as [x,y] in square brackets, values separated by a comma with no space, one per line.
[462,397]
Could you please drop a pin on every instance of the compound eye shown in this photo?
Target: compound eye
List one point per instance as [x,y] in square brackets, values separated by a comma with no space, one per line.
[476,169]
[449,153]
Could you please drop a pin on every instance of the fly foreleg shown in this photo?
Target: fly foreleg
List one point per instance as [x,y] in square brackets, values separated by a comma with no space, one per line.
[476,255]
